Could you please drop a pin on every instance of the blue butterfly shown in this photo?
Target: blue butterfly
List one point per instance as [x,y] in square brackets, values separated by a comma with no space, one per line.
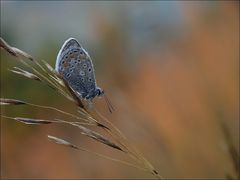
[75,65]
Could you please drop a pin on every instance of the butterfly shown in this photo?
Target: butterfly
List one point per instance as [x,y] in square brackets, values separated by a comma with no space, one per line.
[74,64]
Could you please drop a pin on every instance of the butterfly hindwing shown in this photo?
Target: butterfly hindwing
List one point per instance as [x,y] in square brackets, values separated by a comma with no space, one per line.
[87,73]
[75,65]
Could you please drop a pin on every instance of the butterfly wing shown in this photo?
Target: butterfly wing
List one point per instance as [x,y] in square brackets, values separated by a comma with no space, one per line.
[68,45]
[75,65]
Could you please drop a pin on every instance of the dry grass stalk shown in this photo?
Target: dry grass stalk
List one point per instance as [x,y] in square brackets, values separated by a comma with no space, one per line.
[25,73]
[47,75]
[32,121]
[22,53]
[4,101]
[61,141]
[7,47]
[14,51]
[96,136]
[68,144]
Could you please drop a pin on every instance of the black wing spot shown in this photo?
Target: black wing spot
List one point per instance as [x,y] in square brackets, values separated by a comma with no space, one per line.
[84,65]
[89,69]
[63,62]
[82,79]
[71,70]
[68,75]
[90,79]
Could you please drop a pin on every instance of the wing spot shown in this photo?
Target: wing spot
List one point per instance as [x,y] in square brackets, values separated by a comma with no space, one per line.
[84,65]
[90,79]
[82,73]
[89,69]
[68,75]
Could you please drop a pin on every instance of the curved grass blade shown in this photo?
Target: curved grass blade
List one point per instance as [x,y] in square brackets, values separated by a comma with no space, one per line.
[32,121]
[25,73]
[13,50]
[61,141]
[4,101]
[98,137]
[49,67]
[7,47]
[22,53]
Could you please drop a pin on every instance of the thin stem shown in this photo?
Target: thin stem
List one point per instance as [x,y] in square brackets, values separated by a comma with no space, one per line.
[58,110]
[138,154]
[7,117]
[112,159]
[130,153]
[86,113]
[109,122]
[73,123]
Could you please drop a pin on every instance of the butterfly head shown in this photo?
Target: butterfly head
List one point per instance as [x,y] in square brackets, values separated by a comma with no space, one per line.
[99,91]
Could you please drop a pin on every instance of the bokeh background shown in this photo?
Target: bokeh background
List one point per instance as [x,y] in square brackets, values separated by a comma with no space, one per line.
[171,69]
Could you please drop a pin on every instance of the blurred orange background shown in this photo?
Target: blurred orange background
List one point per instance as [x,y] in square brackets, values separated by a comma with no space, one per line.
[171,69]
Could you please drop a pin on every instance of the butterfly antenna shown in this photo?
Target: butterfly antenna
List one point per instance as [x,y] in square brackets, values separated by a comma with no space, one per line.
[109,104]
